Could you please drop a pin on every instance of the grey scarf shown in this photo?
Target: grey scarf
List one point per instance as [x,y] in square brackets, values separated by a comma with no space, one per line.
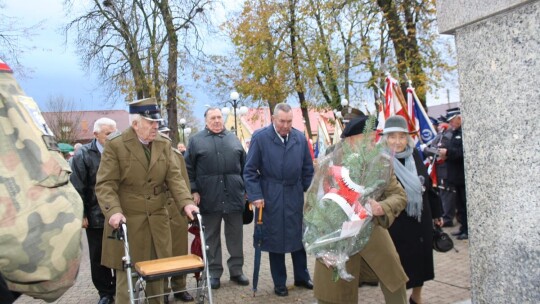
[411,182]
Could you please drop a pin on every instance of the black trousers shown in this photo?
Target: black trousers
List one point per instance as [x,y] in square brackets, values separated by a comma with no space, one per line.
[6,295]
[102,277]
[461,204]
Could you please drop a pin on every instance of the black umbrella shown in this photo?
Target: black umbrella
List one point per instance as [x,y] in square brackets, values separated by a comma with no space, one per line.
[257,242]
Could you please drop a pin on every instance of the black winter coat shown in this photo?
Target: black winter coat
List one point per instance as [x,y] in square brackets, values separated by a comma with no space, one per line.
[85,165]
[413,239]
[454,160]
[215,163]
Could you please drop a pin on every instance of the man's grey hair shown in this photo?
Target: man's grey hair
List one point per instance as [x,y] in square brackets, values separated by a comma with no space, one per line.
[282,107]
[384,140]
[134,117]
[211,109]
[103,121]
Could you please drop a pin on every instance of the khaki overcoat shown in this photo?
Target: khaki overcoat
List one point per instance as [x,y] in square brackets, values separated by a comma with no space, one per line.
[179,226]
[379,253]
[128,183]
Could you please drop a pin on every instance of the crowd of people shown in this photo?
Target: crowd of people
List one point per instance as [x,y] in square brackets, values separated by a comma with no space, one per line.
[136,177]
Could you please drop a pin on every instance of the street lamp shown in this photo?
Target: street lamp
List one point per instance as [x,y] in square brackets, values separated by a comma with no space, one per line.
[235,102]
[185,131]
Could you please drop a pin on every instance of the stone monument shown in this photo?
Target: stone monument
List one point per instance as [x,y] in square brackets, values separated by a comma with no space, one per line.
[498,55]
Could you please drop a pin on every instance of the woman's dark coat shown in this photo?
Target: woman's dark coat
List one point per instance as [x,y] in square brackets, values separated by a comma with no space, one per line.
[413,239]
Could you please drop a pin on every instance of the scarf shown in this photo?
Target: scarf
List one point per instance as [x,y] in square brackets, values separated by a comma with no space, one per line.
[411,182]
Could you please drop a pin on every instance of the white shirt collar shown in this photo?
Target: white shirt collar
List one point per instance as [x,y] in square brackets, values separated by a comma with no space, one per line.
[281,137]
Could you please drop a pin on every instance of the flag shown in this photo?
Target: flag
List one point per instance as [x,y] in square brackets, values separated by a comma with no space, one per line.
[420,120]
[380,122]
[425,132]
[310,143]
[337,132]
[321,139]
[394,105]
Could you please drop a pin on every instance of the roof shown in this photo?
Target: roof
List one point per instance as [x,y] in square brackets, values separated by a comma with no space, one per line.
[260,117]
[88,118]
[438,110]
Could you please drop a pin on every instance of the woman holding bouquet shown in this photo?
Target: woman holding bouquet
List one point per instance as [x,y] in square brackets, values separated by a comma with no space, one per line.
[379,257]
[412,231]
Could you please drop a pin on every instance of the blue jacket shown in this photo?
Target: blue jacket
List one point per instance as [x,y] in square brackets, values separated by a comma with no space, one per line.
[279,174]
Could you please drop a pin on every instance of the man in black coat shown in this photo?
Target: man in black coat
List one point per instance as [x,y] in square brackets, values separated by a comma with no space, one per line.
[453,153]
[215,160]
[85,165]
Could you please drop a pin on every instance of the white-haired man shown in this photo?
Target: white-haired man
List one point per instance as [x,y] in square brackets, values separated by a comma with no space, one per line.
[85,164]
[136,169]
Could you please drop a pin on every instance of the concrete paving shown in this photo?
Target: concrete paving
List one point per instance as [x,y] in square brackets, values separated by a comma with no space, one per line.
[451,284]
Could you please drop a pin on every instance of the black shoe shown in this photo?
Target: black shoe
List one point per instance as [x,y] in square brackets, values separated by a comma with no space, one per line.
[183,296]
[240,280]
[448,224]
[456,233]
[281,291]
[306,284]
[463,236]
[106,300]
[374,284]
[411,301]
[214,283]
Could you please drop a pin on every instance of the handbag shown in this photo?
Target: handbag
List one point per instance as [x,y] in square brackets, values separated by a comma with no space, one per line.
[441,240]
[247,215]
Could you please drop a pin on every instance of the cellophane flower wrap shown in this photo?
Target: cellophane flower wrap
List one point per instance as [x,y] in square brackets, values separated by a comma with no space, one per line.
[337,215]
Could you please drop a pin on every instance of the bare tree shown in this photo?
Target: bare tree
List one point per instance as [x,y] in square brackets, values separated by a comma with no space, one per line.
[63,119]
[134,44]
[13,41]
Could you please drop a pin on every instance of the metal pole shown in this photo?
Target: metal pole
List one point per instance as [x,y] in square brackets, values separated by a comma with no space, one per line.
[235,126]
[183,136]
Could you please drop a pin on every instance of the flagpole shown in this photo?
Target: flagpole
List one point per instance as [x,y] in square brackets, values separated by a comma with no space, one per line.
[401,99]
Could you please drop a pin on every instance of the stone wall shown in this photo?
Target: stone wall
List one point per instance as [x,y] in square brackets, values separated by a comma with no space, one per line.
[498,48]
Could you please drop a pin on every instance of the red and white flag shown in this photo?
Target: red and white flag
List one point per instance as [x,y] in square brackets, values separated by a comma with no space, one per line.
[392,105]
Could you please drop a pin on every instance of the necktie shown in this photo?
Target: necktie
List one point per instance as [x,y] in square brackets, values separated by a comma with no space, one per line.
[147,151]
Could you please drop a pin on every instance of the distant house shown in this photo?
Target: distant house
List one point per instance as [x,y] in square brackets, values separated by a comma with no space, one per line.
[438,110]
[86,120]
[255,119]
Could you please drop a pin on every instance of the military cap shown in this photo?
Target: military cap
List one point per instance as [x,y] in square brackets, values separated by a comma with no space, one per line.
[147,108]
[451,113]
[351,113]
[355,126]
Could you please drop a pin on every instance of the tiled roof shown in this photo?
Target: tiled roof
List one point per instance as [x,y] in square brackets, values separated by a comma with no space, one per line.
[260,117]
[438,110]
[88,118]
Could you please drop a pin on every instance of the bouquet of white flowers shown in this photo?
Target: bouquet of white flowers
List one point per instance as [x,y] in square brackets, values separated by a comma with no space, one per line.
[337,217]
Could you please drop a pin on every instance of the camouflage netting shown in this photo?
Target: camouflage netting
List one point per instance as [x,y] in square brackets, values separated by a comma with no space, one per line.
[337,217]
[40,212]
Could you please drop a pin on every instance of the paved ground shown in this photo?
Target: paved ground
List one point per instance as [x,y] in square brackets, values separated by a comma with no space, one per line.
[451,284]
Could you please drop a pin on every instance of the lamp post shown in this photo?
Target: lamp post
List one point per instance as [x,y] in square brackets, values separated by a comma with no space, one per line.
[184,130]
[235,102]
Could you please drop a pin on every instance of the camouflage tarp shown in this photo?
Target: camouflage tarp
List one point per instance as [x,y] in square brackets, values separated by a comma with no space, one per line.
[40,212]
